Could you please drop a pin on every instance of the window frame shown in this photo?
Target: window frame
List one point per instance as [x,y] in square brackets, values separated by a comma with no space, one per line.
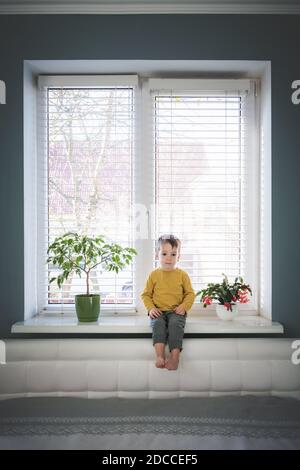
[254,175]
[68,81]
[144,193]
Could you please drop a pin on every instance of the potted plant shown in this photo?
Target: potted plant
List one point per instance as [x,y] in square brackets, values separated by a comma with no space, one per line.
[227,296]
[81,254]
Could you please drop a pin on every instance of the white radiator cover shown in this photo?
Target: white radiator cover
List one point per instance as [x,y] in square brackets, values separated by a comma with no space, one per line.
[101,368]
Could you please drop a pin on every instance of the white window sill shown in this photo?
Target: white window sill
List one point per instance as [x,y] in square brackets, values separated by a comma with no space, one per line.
[141,324]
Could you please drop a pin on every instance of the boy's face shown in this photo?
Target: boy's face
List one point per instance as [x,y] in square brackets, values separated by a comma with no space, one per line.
[168,256]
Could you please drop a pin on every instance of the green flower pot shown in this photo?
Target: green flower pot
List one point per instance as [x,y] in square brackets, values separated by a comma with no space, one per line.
[87,307]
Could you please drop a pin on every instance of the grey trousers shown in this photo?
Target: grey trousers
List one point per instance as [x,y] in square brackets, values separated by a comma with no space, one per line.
[168,328]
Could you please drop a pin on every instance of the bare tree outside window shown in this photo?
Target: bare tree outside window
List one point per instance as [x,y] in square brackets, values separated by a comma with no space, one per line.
[90,145]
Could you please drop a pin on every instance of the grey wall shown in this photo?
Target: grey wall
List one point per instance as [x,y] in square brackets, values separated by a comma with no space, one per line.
[202,37]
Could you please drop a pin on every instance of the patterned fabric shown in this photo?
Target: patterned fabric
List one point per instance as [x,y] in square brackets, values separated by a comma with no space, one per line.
[249,416]
[150,424]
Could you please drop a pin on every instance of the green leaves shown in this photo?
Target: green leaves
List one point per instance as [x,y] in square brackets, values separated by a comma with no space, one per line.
[80,253]
[224,292]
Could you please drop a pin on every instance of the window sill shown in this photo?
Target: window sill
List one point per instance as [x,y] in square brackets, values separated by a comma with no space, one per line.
[140,324]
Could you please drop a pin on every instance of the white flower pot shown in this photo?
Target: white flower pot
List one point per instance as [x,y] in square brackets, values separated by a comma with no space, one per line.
[225,314]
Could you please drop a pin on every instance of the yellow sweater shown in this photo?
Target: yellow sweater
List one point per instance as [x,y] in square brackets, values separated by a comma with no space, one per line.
[168,289]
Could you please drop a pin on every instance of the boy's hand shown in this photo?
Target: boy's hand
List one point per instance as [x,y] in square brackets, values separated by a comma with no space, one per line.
[154,312]
[180,310]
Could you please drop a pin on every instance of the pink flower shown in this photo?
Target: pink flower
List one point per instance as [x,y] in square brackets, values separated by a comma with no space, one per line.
[234,298]
[243,297]
[207,300]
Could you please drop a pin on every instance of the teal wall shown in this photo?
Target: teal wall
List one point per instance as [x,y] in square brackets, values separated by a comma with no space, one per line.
[202,37]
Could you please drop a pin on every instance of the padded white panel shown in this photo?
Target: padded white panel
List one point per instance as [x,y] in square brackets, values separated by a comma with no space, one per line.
[195,376]
[133,376]
[97,371]
[41,377]
[12,378]
[264,348]
[209,349]
[284,376]
[101,368]
[256,375]
[226,376]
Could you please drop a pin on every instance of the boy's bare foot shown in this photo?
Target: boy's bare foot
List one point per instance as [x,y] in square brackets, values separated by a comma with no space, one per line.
[160,362]
[172,363]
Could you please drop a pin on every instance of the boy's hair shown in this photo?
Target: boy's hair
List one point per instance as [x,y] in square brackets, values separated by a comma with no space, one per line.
[174,241]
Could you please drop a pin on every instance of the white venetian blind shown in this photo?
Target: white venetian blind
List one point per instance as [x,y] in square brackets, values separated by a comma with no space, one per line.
[85,176]
[205,175]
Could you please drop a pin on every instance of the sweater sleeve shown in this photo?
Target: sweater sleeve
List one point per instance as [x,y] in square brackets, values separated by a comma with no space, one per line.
[188,293]
[147,294]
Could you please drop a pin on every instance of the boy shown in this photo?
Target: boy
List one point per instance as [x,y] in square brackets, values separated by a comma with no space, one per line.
[168,296]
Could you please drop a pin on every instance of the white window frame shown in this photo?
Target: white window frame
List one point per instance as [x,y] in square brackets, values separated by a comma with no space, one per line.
[69,81]
[147,196]
[144,194]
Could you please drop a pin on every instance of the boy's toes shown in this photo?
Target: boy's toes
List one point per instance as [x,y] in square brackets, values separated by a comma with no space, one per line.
[171,365]
[160,362]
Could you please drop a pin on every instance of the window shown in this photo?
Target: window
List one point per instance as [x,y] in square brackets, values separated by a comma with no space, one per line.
[132,159]
[86,177]
[206,179]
